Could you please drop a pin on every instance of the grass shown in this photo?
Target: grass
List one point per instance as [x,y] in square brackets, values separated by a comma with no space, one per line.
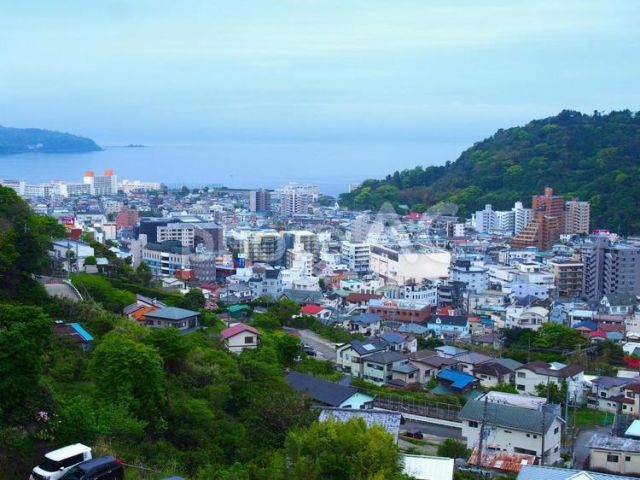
[586,417]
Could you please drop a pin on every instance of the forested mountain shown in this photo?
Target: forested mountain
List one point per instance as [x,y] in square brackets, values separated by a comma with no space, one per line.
[25,140]
[593,157]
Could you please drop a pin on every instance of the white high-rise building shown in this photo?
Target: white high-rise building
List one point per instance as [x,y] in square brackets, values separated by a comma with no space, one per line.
[484,221]
[297,198]
[355,256]
[522,216]
[99,185]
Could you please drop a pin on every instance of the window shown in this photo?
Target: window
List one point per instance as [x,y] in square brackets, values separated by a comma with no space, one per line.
[522,375]
[612,458]
[627,459]
[520,387]
[473,424]
[75,459]
[556,430]
[508,431]
[248,339]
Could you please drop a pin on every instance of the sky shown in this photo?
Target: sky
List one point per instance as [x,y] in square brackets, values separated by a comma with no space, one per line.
[185,71]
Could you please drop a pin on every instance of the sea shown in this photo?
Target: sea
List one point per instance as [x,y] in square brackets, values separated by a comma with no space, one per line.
[331,166]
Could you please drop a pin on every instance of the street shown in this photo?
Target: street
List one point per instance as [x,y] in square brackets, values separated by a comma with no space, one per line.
[326,350]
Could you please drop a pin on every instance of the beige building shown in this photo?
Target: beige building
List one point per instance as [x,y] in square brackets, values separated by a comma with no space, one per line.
[400,265]
[614,454]
[567,278]
[577,216]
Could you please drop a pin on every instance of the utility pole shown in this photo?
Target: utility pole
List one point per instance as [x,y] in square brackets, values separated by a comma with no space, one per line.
[544,417]
[482,429]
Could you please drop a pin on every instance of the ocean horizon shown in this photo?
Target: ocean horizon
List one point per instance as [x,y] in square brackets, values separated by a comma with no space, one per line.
[333,166]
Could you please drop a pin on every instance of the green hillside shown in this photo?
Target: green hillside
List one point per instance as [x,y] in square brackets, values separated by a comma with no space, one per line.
[593,157]
[25,140]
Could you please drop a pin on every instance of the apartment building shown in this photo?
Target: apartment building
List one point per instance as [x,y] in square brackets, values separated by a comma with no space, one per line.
[355,256]
[567,277]
[610,267]
[577,216]
[398,265]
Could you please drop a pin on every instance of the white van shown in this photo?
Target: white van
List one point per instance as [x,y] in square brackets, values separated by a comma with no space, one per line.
[54,464]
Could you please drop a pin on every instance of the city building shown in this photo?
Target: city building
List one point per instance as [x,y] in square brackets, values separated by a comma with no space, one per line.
[568,277]
[355,256]
[476,279]
[577,217]
[610,267]
[260,200]
[297,198]
[398,265]
[522,217]
[400,310]
[100,185]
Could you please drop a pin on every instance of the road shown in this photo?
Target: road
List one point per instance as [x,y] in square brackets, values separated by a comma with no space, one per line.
[580,445]
[326,349]
[439,431]
[61,290]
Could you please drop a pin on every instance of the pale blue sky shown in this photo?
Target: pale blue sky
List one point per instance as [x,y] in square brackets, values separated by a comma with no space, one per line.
[362,70]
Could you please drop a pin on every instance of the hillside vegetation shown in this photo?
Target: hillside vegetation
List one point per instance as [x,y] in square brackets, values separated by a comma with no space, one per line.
[25,140]
[593,157]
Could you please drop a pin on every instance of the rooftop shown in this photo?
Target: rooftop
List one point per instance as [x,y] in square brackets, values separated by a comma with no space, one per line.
[609,442]
[172,313]
[328,393]
[390,421]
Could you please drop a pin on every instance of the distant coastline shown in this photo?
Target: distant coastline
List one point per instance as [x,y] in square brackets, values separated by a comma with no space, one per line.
[15,141]
[131,145]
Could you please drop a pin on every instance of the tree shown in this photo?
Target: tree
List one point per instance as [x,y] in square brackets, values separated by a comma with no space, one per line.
[144,274]
[336,450]
[284,309]
[557,336]
[91,260]
[25,337]
[171,345]
[452,448]
[128,373]
[192,300]
[265,321]
[553,392]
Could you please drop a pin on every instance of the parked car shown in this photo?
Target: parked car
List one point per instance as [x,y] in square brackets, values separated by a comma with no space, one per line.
[101,468]
[309,351]
[56,463]
[414,434]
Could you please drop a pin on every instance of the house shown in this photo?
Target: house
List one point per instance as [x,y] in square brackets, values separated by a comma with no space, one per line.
[404,374]
[618,303]
[238,311]
[456,382]
[328,393]
[617,455]
[535,472]
[422,467]
[240,337]
[303,297]
[631,392]
[315,311]
[400,310]
[359,300]
[366,324]
[414,329]
[378,367]
[469,361]
[429,364]
[350,356]
[608,394]
[449,351]
[74,333]
[179,318]
[390,421]
[513,424]
[449,325]
[531,374]
[492,374]
[400,342]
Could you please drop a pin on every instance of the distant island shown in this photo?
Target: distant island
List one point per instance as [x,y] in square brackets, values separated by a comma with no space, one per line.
[131,145]
[14,141]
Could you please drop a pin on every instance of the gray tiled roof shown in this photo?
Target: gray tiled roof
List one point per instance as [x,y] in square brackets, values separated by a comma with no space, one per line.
[390,421]
[387,357]
[507,416]
[609,442]
[328,393]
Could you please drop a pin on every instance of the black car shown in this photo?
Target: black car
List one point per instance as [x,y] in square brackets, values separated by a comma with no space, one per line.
[414,434]
[101,468]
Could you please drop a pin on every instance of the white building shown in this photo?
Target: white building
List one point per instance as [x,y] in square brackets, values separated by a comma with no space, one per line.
[476,278]
[400,265]
[522,216]
[514,425]
[532,374]
[355,256]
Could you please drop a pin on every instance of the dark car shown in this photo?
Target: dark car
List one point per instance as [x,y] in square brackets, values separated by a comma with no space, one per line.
[310,351]
[414,434]
[101,468]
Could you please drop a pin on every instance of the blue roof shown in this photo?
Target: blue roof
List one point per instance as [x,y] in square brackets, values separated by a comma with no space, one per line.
[366,318]
[392,337]
[82,332]
[460,380]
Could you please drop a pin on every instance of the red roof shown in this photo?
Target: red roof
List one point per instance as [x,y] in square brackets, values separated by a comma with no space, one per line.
[598,334]
[311,309]
[611,328]
[236,329]
[361,297]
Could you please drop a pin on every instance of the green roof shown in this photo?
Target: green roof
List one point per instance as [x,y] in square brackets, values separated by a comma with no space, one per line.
[172,313]
[237,308]
[507,416]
